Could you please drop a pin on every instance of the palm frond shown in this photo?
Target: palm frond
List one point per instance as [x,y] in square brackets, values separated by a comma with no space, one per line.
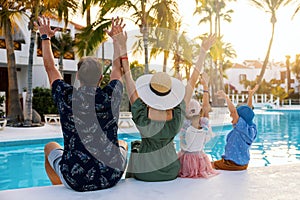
[91,37]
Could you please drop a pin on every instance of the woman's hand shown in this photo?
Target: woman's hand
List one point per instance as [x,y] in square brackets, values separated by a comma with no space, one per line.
[221,94]
[204,79]
[117,32]
[208,42]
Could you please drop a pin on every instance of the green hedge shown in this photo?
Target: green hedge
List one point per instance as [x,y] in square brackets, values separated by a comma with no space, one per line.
[42,101]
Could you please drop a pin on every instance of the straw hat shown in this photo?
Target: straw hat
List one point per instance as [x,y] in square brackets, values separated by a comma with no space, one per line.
[160,91]
[193,109]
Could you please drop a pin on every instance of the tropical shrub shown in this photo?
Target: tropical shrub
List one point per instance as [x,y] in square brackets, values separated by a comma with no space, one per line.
[42,101]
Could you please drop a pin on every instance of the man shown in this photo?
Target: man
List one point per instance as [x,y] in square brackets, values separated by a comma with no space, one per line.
[92,157]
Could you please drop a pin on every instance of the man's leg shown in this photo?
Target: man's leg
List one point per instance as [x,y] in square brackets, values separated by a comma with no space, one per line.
[123,144]
[54,178]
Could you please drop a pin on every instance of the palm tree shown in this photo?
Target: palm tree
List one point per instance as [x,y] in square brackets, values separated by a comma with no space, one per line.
[214,10]
[167,27]
[296,66]
[38,7]
[297,10]
[296,69]
[269,7]
[220,52]
[161,40]
[151,15]
[90,37]
[9,14]
[184,50]
[62,43]
[34,7]
[288,72]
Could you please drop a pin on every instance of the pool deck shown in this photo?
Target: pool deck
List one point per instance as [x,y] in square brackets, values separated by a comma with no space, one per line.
[220,117]
[261,183]
[272,182]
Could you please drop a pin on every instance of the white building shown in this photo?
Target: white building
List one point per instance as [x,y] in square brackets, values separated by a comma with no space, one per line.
[250,69]
[40,79]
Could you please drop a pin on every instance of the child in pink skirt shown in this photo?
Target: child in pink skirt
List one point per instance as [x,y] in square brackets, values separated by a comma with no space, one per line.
[195,133]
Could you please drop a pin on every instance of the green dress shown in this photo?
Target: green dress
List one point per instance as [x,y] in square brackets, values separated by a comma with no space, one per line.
[156,159]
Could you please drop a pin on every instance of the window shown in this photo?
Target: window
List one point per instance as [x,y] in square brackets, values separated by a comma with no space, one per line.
[243,77]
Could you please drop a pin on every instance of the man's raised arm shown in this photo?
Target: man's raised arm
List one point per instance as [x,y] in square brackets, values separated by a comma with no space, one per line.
[48,58]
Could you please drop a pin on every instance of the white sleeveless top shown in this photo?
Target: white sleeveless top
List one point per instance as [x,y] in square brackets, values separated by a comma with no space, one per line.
[193,139]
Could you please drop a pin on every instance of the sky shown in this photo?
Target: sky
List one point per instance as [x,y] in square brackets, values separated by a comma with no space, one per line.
[249,32]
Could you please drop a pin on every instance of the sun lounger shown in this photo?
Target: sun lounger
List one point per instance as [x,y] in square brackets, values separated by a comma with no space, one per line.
[52,119]
[125,120]
[2,124]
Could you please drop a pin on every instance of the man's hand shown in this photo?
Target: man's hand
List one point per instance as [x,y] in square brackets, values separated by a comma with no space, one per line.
[44,27]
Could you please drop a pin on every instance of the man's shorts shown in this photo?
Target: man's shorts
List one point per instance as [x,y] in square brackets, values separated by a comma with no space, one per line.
[55,156]
[228,165]
[54,159]
[124,156]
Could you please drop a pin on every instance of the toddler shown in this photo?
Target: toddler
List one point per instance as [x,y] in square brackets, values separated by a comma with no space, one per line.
[194,162]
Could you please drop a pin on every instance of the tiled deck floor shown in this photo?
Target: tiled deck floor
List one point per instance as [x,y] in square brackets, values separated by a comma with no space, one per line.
[261,183]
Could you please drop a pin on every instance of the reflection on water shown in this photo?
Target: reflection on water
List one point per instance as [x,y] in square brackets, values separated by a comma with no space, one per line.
[278,141]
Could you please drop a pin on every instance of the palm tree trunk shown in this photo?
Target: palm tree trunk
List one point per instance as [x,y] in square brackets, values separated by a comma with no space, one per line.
[28,102]
[215,71]
[263,69]
[166,55]
[88,16]
[221,75]
[145,35]
[14,111]
[60,64]
[214,83]
[176,57]
[297,70]
[145,40]
[288,73]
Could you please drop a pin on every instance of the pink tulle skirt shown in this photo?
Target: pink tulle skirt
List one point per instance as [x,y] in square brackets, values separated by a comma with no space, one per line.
[195,165]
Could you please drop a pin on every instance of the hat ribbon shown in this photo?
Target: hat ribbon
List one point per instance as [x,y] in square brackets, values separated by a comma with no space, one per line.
[159,93]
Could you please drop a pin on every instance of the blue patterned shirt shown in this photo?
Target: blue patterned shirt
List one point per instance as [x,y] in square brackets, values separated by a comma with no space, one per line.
[89,117]
[238,142]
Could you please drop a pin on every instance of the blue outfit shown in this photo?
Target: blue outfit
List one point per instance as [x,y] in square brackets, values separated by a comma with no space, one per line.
[238,142]
[89,115]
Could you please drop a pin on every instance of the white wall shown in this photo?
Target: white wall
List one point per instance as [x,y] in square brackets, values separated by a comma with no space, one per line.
[251,74]
[40,78]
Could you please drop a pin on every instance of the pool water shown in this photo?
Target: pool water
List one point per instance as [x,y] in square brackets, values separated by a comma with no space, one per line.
[277,142]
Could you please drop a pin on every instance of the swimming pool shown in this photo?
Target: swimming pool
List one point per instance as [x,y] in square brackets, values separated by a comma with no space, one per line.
[278,142]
